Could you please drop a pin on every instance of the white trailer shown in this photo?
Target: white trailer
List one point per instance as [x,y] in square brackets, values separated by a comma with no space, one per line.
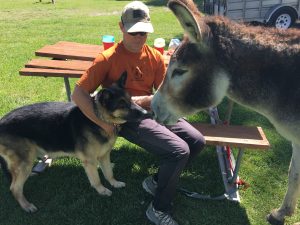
[278,13]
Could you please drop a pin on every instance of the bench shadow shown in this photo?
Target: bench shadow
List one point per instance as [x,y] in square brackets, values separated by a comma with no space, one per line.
[202,176]
[64,196]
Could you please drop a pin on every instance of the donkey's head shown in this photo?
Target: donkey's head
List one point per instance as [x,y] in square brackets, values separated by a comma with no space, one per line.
[193,80]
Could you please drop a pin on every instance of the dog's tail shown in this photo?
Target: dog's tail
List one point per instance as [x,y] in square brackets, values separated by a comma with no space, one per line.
[6,172]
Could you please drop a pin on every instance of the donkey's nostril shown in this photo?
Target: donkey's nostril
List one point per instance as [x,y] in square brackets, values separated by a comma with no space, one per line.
[153,115]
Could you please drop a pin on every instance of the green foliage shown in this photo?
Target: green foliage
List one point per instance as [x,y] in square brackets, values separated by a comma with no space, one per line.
[63,193]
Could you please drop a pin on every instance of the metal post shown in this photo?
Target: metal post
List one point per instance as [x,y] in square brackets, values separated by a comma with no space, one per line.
[231,189]
[237,167]
[229,111]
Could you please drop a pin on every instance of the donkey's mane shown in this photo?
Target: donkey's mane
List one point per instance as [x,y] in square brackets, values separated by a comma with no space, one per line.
[279,40]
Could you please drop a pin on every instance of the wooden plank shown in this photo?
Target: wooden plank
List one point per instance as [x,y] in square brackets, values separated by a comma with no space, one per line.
[234,136]
[252,14]
[230,1]
[75,47]
[68,44]
[59,52]
[235,15]
[270,2]
[50,72]
[240,5]
[62,52]
[235,6]
[59,64]
[77,51]
[253,5]
[290,2]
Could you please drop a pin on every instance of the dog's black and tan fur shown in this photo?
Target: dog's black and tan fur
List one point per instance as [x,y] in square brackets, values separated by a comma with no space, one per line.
[257,67]
[61,129]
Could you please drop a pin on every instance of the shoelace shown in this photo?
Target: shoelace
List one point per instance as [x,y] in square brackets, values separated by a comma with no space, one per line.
[154,183]
[164,217]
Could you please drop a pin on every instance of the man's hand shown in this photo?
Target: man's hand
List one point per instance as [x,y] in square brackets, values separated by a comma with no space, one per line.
[83,100]
[110,129]
[143,101]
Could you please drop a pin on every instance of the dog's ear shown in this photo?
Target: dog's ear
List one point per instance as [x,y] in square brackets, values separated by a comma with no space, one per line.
[122,80]
[103,96]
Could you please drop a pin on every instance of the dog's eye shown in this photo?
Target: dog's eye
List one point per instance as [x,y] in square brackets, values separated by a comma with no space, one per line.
[122,104]
[178,72]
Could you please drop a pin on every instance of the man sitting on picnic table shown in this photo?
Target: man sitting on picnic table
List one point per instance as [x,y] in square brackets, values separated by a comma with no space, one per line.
[175,144]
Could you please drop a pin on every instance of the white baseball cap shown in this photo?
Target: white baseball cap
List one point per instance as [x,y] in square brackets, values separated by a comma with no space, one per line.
[135,18]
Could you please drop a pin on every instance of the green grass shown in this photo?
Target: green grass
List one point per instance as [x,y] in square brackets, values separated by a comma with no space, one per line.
[63,193]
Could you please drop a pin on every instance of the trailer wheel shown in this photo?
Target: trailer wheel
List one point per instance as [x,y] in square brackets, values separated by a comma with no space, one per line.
[283,18]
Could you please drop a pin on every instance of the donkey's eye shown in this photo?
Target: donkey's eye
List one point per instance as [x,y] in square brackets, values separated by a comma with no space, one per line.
[178,72]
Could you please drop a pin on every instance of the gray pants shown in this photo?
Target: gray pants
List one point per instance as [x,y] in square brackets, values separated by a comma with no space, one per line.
[175,145]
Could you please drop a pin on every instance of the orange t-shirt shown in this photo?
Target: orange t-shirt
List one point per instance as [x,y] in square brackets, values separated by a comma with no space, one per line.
[145,70]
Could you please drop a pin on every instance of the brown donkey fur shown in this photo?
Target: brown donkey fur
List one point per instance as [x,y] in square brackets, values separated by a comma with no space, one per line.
[257,67]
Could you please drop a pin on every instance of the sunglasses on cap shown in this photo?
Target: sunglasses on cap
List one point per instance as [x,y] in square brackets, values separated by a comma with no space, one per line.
[136,33]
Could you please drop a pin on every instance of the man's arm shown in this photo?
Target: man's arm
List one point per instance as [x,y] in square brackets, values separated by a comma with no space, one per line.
[143,101]
[84,101]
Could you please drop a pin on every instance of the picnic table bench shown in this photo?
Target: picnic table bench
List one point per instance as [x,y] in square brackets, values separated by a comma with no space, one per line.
[64,59]
[70,60]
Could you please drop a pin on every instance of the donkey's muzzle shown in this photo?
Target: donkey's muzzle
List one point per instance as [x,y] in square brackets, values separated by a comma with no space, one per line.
[138,113]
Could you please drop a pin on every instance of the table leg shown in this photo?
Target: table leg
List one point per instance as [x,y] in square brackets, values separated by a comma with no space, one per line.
[233,179]
[68,89]
[231,189]
[227,163]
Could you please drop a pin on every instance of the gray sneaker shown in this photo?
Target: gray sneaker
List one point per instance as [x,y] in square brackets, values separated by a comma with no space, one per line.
[150,185]
[158,217]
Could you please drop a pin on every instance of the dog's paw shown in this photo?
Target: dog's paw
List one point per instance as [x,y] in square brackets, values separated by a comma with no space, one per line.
[30,208]
[107,192]
[103,191]
[118,184]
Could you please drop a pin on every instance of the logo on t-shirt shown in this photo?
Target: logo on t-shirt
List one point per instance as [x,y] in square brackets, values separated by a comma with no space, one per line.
[137,74]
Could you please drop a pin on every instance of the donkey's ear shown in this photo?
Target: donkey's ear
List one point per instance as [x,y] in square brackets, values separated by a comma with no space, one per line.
[188,16]
[122,80]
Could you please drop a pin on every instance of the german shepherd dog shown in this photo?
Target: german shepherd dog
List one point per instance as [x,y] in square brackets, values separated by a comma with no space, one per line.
[61,129]
[256,67]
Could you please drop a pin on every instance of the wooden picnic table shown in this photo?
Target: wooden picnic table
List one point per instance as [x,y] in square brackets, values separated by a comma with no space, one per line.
[65,59]
[70,60]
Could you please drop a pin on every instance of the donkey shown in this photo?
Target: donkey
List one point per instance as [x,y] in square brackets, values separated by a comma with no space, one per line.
[256,67]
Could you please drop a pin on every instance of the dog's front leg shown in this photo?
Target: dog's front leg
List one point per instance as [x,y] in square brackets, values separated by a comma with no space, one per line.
[108,172]
[90,167]
[290,200]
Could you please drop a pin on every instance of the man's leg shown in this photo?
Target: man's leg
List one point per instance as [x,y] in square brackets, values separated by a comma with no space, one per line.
[172,149]
[190,135]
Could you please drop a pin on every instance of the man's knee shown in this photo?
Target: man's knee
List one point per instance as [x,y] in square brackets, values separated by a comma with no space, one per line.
[181,151]
[199,143]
